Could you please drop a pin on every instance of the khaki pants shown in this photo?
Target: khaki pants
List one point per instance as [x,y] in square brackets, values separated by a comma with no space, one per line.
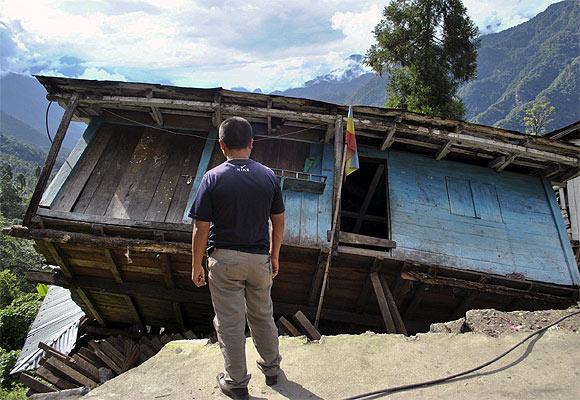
[240,285]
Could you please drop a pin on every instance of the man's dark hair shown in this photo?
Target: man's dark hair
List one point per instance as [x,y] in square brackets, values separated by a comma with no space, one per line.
[236,133]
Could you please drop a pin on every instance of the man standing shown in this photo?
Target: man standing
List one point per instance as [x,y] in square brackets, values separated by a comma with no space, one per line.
[232,208]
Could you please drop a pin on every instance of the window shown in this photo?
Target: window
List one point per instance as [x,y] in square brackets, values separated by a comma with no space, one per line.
[473,199]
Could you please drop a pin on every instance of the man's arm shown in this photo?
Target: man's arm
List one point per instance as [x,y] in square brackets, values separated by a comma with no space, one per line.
[198,246]
[276,241]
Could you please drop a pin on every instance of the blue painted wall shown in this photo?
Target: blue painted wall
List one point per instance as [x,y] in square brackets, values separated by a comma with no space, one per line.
[308,215]
[474,218]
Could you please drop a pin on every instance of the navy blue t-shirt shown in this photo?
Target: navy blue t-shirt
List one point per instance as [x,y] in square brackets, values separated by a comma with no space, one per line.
[238,197]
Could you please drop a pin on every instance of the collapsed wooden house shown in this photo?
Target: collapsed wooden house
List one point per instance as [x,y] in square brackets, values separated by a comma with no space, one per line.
[442,216]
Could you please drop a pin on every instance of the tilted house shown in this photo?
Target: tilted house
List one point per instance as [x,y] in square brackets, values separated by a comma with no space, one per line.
[442,216]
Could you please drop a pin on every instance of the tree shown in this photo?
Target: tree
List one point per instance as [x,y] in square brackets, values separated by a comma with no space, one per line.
[429,47]
[11,204]
[538,117]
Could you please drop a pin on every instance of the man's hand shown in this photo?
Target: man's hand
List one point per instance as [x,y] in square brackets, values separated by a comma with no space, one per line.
[198,276]
[275,266]
[200,233]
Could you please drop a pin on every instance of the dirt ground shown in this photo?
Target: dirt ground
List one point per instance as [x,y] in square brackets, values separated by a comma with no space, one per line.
[340,366]
[497,323]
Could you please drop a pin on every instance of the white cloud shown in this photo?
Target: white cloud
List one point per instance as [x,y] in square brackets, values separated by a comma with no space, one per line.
[497,15]
[101,75]
[358,26]
[253,43]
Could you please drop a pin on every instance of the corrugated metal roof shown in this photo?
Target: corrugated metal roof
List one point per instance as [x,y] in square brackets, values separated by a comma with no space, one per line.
[56,324]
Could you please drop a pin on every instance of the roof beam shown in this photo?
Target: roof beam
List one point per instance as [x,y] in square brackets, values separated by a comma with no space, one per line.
[157,116]
[389,139]
[501,162]
[481,139]
[444,150]
[165,262]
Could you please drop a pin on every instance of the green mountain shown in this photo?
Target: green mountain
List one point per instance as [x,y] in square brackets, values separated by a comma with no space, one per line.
[23,98]
[538,59]
[10,126]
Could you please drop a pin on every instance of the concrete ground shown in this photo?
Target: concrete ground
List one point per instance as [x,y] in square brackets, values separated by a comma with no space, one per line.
[345,365]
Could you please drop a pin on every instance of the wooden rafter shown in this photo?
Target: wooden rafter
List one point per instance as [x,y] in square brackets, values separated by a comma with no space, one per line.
[389,311]
[165,263]
[118,277]
[84,296]
[415,301]
[139,245]
[188,296]
[51,158]
[157,116]
[389,138]
[444,150]
[501,162]
[317,278]
[113,266]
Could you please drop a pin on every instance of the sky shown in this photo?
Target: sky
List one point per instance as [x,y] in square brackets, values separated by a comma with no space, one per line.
[271,45]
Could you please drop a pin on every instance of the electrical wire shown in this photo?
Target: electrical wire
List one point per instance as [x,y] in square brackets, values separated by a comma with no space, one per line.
[48,131]
[203,137]
[459,374]
[46,121]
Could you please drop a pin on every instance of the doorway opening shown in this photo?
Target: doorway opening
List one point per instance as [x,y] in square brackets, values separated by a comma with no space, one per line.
[365,203]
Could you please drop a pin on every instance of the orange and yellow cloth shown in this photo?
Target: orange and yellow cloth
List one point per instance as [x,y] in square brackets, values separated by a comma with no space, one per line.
[350,141]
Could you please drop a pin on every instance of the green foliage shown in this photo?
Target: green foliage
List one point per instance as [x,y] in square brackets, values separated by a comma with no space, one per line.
[18,256]
[24,160]
[7,362]
[18,393]
[538,116]
[11,202]
[429,47]
[42,290]
[16,318]
[9,287]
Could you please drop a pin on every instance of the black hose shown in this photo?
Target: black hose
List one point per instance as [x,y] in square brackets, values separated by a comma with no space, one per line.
[46,121]
[48,130]
[457,375]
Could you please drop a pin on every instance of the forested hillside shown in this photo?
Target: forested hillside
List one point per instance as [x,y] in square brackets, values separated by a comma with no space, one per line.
[534,60]
[23,110]
[538,59]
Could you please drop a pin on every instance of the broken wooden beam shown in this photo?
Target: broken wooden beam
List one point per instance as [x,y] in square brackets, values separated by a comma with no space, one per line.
[35,384]
[383,305]
[307,328]
[288,327]
[58,381]
[60,368]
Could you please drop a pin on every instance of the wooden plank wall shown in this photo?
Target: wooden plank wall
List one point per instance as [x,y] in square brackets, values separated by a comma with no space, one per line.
[131,172]
[71,161]
[574,207]
[143,174]
[486,221]
[308,215]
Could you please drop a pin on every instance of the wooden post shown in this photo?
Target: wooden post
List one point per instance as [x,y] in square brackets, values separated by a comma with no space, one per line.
[50,159]
[335,223]
[210,143]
